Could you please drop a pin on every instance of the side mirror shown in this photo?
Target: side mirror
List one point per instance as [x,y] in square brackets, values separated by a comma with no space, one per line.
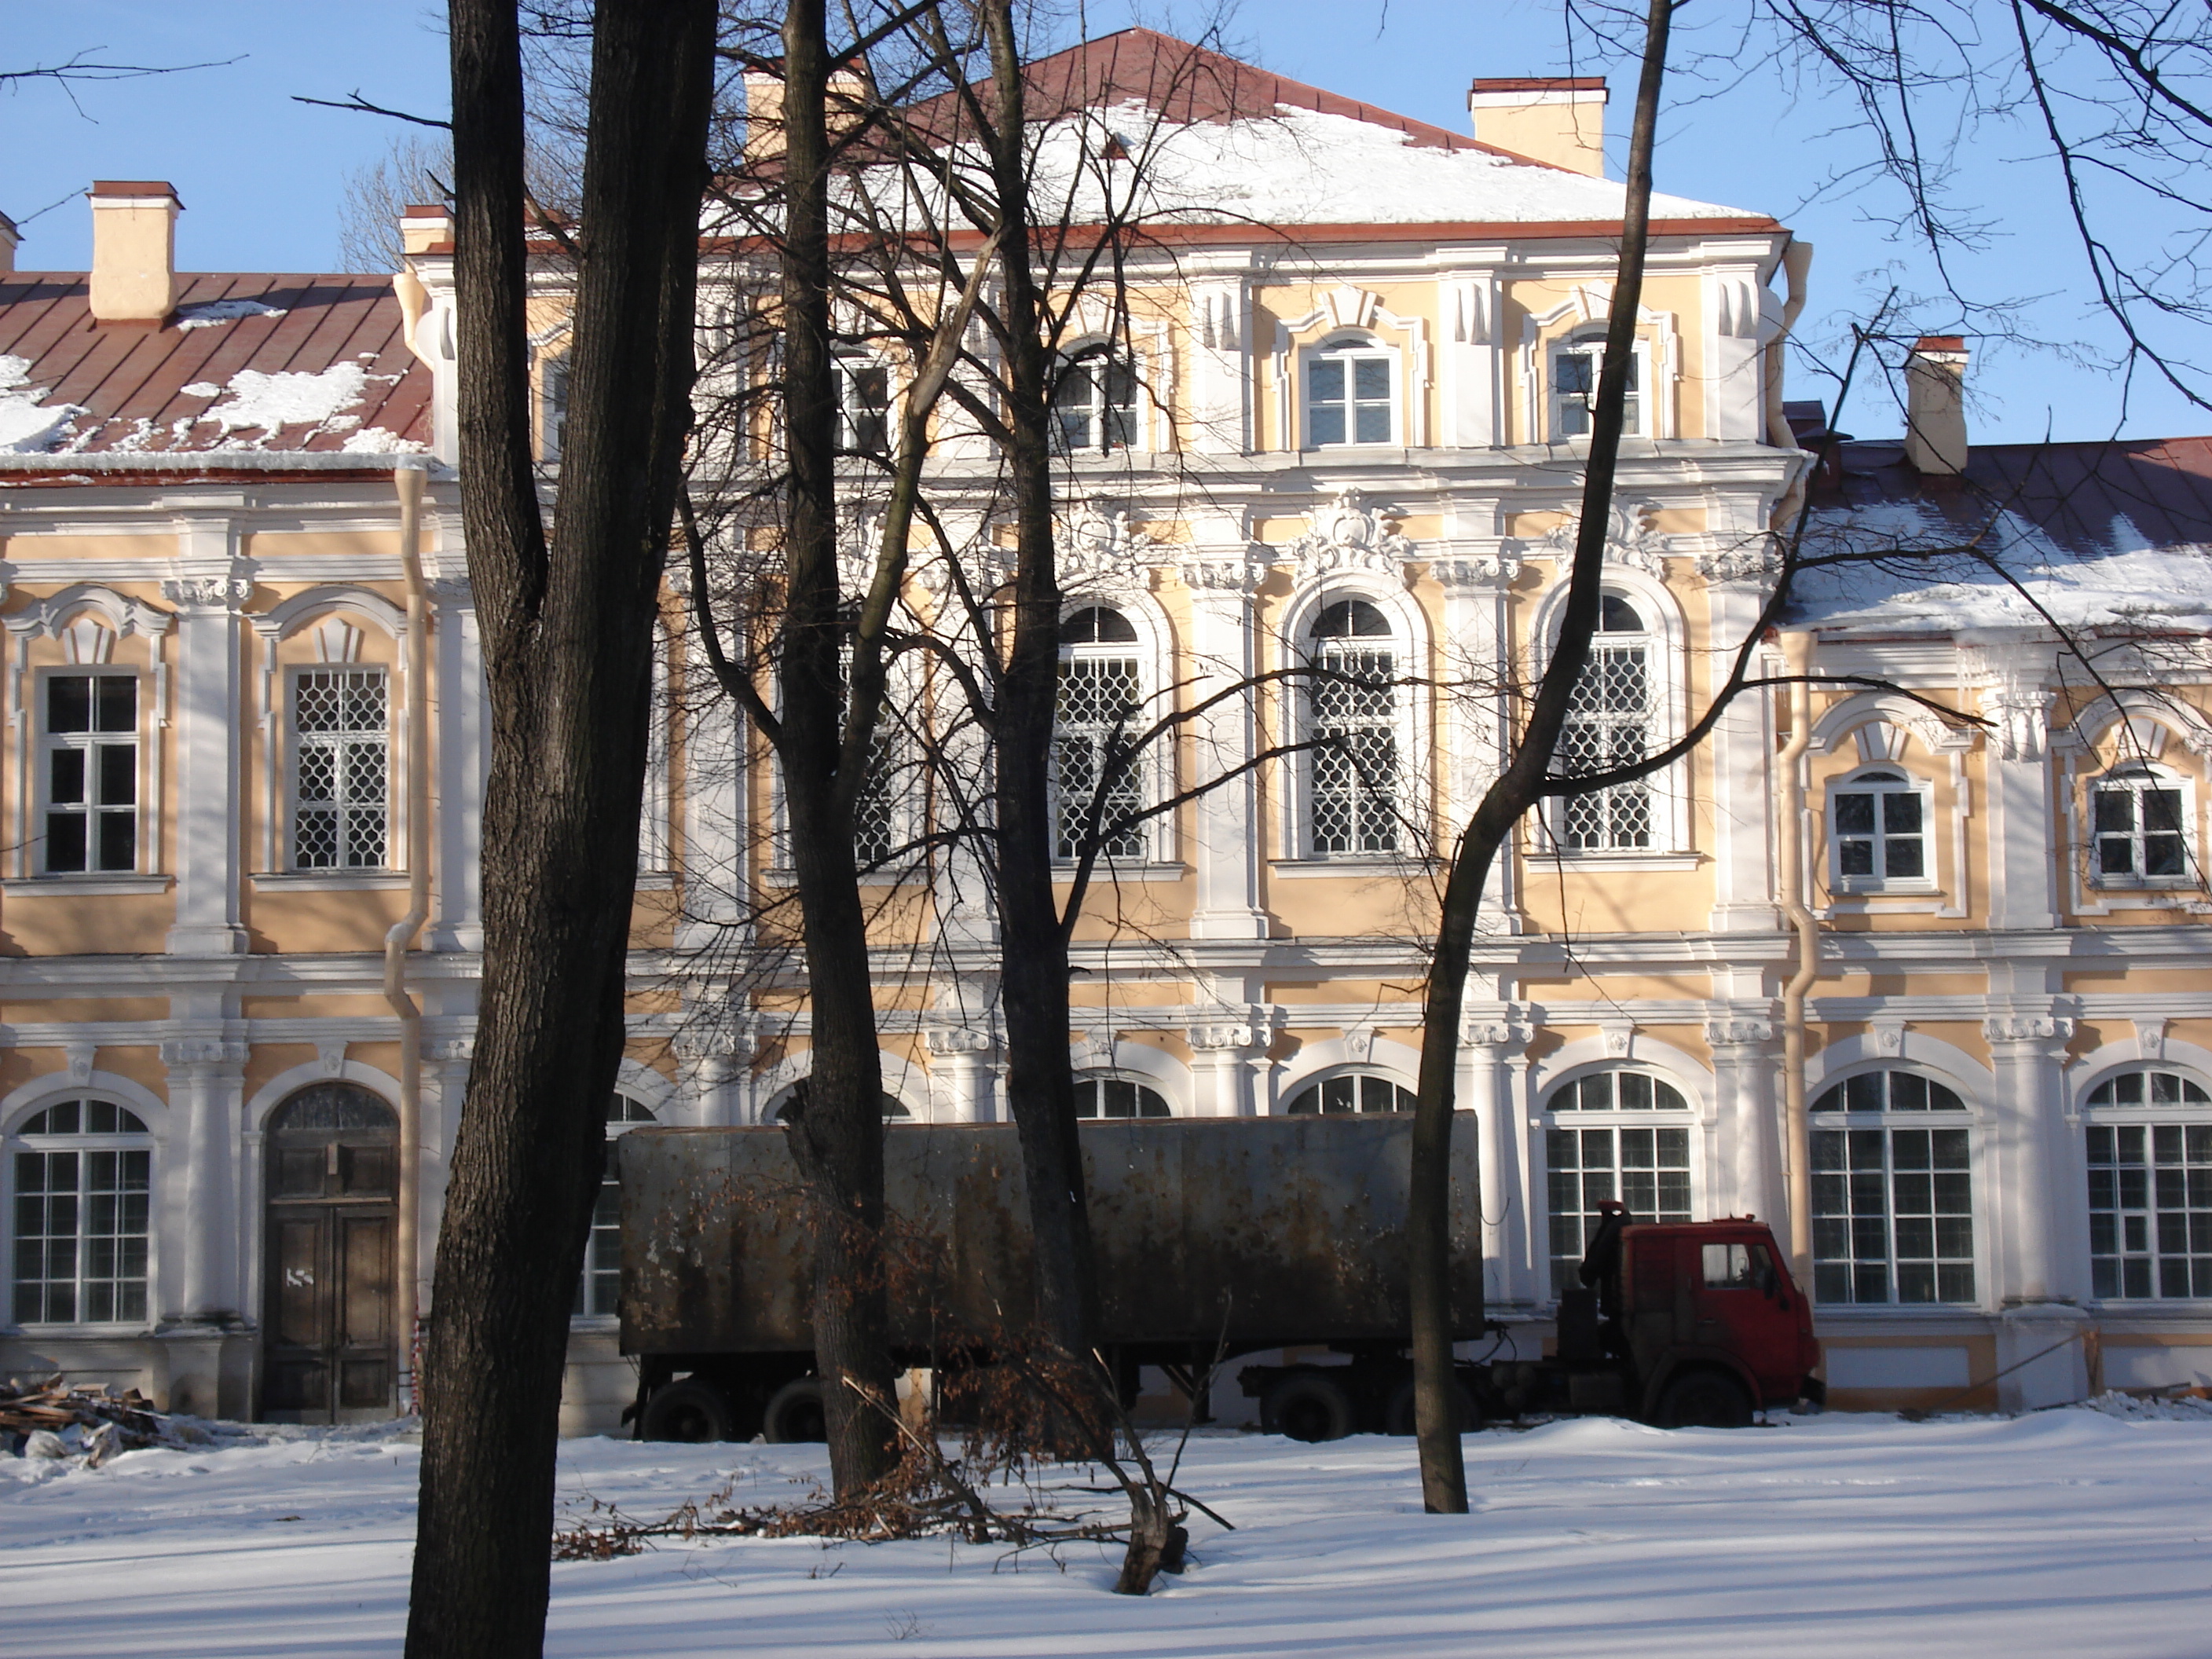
[1768,1282]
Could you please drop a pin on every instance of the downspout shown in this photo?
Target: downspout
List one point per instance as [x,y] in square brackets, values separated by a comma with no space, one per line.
[407,482]
[1798,1147]
[1796,264]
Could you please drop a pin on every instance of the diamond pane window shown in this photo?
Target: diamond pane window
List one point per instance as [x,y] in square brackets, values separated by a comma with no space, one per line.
[599,1289]
[2140,831]
[1098,784]
[91,773]
[1609,724]
[1351,728]
[1893,1207]
[340,796]
[1351,397]
[82,1204]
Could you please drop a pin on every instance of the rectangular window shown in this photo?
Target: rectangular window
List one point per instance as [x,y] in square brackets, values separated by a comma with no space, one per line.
[1098,697]
[91,773]
[1893,1216]
[1647,1169]
[599,1291]
[81,1236]
[2151,1210]
[1879,836]
[876,829]
[341,744]
[2140,832]
[1574,370]
[863,403]
[1349,399]
[1353,770]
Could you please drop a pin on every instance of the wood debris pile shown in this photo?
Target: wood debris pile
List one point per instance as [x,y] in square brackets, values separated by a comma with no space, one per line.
[104,1421]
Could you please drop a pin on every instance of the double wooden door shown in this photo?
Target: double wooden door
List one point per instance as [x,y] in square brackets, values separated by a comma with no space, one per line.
[329,1351]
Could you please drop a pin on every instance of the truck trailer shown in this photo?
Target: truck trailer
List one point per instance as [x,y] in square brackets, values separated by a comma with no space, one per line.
[1214,1238]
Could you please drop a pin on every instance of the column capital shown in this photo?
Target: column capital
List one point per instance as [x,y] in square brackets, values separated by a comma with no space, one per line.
[2031,1031]
[1501,1025]
[1739,1032]
[205,595]
[208,1056]
[1223,1028]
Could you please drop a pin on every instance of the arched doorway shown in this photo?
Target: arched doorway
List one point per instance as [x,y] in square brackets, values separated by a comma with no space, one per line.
[328,1353]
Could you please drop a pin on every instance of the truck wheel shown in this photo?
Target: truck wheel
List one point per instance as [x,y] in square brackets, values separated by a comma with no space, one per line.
[1398,1416]
[693,1410]
[1307,1406]
[1704,1400]
[794,1414]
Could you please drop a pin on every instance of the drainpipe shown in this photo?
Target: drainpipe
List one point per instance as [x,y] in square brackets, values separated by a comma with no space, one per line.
[1797,1145]
[407,482]
[1796,266]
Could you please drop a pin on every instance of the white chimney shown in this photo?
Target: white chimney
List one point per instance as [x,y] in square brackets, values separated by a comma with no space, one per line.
[1556,119]
[1936,404]
[134,253]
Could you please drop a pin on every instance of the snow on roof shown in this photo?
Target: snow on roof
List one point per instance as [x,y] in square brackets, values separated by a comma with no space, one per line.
[2090,537]
[248,363]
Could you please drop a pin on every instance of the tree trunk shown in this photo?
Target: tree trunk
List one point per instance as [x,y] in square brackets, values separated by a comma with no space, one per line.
[1519,787]
[837,1129]
[1033,985]
[568,634]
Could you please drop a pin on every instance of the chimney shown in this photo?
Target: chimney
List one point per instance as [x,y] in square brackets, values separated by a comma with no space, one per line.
[1558,120]
[9,236]
[848,91]
[1934,404]
[423,230]
[134,253]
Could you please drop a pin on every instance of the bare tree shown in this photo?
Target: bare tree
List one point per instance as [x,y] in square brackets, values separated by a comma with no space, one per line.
[567,624]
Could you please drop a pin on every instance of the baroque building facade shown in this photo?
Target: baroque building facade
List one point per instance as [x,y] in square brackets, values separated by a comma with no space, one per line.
[1350,440]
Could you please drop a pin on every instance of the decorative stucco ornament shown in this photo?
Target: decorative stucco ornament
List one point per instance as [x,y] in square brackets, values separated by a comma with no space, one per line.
[1346,535]
[1630,539]
[1097,550]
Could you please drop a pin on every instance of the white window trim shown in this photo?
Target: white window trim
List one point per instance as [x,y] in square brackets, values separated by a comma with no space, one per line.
[1351,348]
[846,365]
[2136,775]
[395,853]
[1154,769]
[1669,785]
[14,1141]
[1343,310]
[1313,1079]
[1097,352]
[1409,641]
[142,740]
[1853,783]
[1589,303]
[1584,341]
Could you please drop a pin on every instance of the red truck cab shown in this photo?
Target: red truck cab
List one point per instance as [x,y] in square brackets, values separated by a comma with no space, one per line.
[1702,1305]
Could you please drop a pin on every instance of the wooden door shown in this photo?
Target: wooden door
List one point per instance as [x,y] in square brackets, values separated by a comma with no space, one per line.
[329,1353]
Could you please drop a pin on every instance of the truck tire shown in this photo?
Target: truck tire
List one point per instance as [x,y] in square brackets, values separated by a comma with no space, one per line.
[693,1410]
[1398,1415]
[1307,1406]
[1703,1399]
[794,1414]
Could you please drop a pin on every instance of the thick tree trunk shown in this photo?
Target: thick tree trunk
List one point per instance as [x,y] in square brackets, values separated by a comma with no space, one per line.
[568,636]
[1033,986]
[1521,786]
[836,1130]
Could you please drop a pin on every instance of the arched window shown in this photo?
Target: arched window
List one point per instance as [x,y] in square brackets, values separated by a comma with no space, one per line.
[1352,1091]
[1878,831]
[864,405]
[83,1199]
[2150,1186]
[1352,731]
[599,1289]
[1352,395]
[1101,689]
[1094,403]
[1610,724]
[1576,362]
[1892,1193]
[1117,1096]
[778,1109]
[1639,1160]
[2139,820]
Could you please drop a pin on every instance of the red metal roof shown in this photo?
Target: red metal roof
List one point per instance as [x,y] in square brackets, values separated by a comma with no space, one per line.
[131,384]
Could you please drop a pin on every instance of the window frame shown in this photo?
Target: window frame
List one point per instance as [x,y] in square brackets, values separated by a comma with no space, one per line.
[2183,1118]
[2136,778]
[297,744]
[1098,359]
[1405,796]
[848,366]
[1661,790]
[1140,780]
[1350,350]
[1880,779]
[88,742]
[141,1140]
[1137,1081]
[1611,1120]
[1317,1083]
[636,1115]
[1889,1120]
[1589,341]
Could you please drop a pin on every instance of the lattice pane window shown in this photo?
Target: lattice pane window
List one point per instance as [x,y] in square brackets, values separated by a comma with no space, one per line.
[876,826]
[1352,724]
[599,1290]
[2141,827]
[1099,699]
[1350,397]
[1646,1169]
[341,805]
[1893,1212]
[1575,370]
[82,1204]
[1094,405]
[91,773]
[1609,724]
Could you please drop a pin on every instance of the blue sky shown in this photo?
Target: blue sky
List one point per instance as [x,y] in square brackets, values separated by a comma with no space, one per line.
[260,175]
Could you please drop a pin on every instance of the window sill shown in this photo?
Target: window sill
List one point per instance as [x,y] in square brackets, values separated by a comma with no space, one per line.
[329,881]
[784,876]
[1623,861]
[2174,886]
[1848,889]
[84,886]
[81,1333]
[1346,868]
[655,881]
[1123,870]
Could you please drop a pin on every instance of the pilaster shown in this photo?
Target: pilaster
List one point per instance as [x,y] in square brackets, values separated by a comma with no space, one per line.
[1226,847]
[208,715]
[1493,1035]
[1745,1069]
[207,1091]
[462,719]
[2034,1261]
[1228,1051]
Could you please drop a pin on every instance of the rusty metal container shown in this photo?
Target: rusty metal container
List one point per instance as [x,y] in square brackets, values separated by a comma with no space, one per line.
[1272,1229]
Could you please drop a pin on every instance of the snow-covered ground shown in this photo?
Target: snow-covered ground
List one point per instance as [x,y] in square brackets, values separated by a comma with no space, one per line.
[2068,1532]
